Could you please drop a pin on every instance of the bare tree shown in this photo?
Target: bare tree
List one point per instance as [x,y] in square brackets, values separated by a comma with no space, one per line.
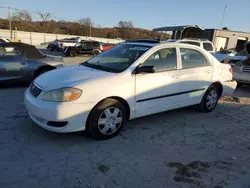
[125,28]
[125,24]
[22,16]
[87,22]
[44,16]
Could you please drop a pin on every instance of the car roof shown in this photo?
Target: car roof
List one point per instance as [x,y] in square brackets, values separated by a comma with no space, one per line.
[142,43]
[166,44]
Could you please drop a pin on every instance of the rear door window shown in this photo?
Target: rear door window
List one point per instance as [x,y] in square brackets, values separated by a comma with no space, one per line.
[208,46]
[192,58]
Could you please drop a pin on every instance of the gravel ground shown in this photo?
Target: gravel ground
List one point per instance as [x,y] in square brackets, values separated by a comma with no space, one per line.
[180,148]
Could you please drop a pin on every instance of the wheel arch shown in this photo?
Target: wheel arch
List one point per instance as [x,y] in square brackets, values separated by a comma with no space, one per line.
[219,86]
[49,67]
[120,99]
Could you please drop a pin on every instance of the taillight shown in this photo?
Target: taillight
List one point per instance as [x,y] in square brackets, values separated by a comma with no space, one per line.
[231,70]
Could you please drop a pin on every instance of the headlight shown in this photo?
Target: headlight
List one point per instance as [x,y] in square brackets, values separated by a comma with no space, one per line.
[62,95]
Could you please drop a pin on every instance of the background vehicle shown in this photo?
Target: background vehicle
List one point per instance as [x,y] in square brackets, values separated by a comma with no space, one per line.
[228,52]
[233,59]
[107,46]
[21,63]
[55,46]
[203,43]
[128,81]
[84,48]
[59,45]
[4,40]
[241,72]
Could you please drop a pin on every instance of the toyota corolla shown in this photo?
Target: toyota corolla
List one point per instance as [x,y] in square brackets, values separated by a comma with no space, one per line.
[128,81]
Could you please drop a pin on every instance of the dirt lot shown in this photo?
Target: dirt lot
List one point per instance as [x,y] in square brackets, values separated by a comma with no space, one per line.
[181,148]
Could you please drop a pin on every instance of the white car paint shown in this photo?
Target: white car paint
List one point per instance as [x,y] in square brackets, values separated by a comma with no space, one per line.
[200,42]
[135,89]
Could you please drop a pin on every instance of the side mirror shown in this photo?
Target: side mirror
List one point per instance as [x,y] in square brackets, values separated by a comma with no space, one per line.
[145,69]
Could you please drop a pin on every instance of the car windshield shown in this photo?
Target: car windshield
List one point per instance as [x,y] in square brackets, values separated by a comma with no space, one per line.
[118,58]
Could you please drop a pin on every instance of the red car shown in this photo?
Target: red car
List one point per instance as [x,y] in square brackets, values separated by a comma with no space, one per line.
[107,46]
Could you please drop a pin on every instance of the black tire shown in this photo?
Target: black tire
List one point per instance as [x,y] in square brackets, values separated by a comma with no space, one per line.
[95,53]
[72,54]
[95,128]
[239,84]
[203,106]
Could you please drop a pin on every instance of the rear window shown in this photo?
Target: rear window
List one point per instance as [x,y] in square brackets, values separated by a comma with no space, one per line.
[208,46]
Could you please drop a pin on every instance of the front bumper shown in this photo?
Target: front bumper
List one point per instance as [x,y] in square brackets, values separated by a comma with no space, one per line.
[242,77]
[228,87]
[42,112]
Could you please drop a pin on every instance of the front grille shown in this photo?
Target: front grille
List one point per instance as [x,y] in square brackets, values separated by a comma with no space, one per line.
[246,68]
[34,90]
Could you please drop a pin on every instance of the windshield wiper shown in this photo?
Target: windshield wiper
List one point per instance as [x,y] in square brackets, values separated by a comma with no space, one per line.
[97,66]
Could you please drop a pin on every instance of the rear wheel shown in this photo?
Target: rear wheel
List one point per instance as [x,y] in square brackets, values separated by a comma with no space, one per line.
[106,119]
[210,99]
[73,54]
[239,84]
[95,53]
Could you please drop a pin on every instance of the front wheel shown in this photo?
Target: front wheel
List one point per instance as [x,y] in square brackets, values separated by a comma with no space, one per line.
[106,119]
[209,100]
[95,53]
[73,54]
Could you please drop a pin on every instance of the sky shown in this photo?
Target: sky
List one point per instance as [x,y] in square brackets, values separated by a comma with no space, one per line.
[146,14]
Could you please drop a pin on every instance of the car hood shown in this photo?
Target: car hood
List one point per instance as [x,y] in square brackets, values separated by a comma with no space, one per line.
[68,77]
[53,60]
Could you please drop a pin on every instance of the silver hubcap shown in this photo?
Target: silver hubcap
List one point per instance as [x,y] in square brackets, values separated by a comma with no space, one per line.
[212,99]
[110,121]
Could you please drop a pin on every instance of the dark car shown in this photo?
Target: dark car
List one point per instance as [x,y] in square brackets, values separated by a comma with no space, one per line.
[55,46]
[84,48]
[22,63]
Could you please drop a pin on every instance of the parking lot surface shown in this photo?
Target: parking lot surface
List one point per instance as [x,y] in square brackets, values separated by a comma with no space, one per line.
[180,148]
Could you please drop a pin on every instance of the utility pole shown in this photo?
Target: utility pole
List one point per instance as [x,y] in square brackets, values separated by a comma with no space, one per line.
[90,28]
[10,22]
[222,22]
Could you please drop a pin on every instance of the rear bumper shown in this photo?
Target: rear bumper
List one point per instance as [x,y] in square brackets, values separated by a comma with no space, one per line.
[228,87]
[242,77]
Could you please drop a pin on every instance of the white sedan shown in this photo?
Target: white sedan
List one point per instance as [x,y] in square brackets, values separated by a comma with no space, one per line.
[128,81]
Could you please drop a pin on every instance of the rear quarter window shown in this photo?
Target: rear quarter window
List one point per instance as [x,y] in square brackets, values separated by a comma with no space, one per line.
[208,46]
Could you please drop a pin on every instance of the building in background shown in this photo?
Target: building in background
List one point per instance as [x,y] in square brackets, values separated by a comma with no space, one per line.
[221,38]
[227,39]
